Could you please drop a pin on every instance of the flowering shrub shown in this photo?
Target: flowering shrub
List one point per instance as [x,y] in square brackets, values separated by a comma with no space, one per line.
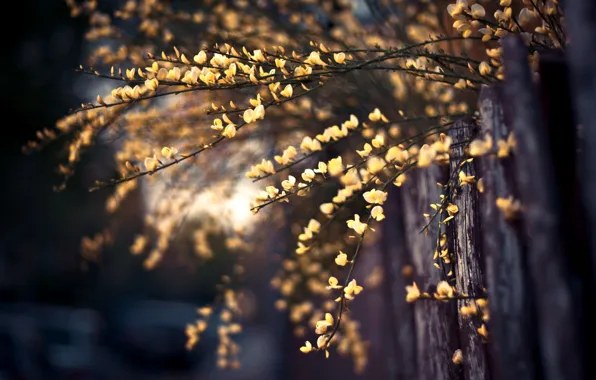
[352,96]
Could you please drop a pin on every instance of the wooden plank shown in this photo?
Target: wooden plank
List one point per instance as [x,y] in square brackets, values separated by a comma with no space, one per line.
[556,98]
[581,16]
[401,335]
[512,344]
[465,245]
[436,322]
[559,346]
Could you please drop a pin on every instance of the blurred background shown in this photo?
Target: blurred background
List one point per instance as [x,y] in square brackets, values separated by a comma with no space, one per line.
[63,316]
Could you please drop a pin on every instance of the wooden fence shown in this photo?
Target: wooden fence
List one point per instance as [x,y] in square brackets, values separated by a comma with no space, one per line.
[536,268]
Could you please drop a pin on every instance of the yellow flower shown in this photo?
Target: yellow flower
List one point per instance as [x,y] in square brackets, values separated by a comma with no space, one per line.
[169,152]
[468,310]
[287,91]
[315,59]
[307,235]
[378,141]
[376,115]
[339,57]
[217,125]
[465,179]
[335,167]
[444,291]
[366,151]
[353,289]
[525,16]
[280,63]
[457,357]
[308,175]
[480,185]
[322,342]
[426,156]
[356,225]
[377,213]
[442,144]
[413,293]
[258,56]
[461,25]
[248,116]
[153,69]
[288,155]
[375,164]
[508,206]
[480,147]
[478,11]
[375,196]
[200,58]
[333,283]
[152,84]
[139,245]
[151,163]
[256,102]
[396,154]
[321,168]
[503,149]
[352,123]
[341,259]
[289,183]
[173,74]
[321,326]
[327,208]
[259,112]
[484,68]
[271,191]
[452,209]
[306,348]
[310,145]
[457,8]
[229,131]
[314,226]
[205,311]
[487,34]
[302,249]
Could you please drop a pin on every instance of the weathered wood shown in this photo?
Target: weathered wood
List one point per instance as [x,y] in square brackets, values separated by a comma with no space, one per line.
[581,16]
[401,337]
[465,245]
[436,322]
[512,344]
[559,346]
[555,94]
